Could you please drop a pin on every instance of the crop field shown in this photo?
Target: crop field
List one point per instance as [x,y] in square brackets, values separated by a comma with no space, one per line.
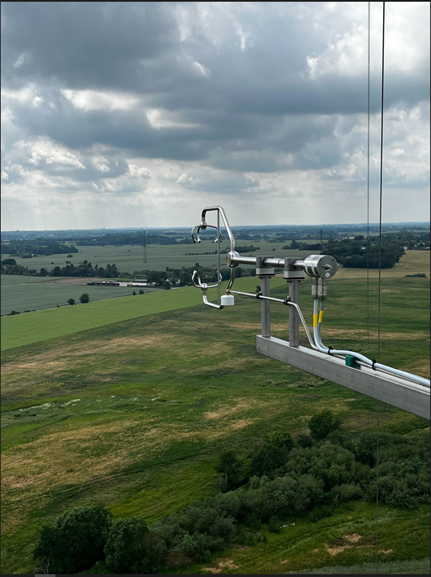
[131,408]
[130,258]
[21,292]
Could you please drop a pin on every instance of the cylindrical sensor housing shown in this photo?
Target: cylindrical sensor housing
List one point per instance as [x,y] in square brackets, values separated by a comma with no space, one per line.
[320,265]
[314,282]
[321,288]
[227,300]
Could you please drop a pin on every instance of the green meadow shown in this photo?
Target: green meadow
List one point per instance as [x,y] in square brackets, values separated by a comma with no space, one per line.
[22,292]
[129,402]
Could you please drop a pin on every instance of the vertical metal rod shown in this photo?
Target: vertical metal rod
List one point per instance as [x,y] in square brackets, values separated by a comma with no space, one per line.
[218,257]
[264,306]
[293,315]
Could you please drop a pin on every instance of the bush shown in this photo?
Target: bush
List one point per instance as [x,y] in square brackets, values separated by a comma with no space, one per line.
[274,524]
[321,512]
[304,440]
[200,546]
[323,423]
[76,541]
[231,471]
[84,298]
[347,492]
[71,301]
[126,549]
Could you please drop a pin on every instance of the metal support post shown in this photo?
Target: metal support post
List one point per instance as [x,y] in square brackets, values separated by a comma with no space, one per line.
[264,273]
[293,314]
[265,313]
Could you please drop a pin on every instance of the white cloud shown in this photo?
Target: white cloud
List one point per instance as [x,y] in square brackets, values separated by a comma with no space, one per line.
[141,172]
[101,164]
[51,153]
[98,100]
[23,58]
[160,118]
[26,95]
[201,69]
[346,53]
[184,178]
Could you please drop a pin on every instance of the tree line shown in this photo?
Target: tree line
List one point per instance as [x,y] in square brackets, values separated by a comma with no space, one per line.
[277,480]
[366,253]
[26,249]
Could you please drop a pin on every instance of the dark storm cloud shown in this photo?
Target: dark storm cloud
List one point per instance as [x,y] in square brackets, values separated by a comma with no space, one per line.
[91,44]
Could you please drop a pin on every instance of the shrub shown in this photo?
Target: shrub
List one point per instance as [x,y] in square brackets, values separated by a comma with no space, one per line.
[274,524]
[320,513]
[71,301]
[323,423]
[304,440]
[126,549]
[84,298]
[231,471]
[268,458]
[76,541]
[347,492]
[200,546]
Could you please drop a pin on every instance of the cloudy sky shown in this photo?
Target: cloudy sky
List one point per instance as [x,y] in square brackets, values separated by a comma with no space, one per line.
[125,114]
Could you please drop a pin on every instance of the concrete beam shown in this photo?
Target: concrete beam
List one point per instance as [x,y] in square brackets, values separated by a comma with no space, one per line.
[389,389]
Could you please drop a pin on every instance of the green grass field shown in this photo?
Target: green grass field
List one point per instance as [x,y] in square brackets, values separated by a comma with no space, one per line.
[20,293]
[130,407]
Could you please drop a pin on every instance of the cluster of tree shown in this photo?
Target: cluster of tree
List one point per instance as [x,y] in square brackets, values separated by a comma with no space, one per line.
[9,266]
[184,274]
[365,253]
[26,249]
[280,478]
[132,238]
[412,240]
[300,245]
[84,269]
[245,248]
[84,298]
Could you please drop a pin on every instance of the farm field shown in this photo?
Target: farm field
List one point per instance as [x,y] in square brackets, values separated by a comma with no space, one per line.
[131,408]
[21,292]
[129,258]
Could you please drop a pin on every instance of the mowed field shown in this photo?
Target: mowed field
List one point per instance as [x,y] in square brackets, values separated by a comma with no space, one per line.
[133,411]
